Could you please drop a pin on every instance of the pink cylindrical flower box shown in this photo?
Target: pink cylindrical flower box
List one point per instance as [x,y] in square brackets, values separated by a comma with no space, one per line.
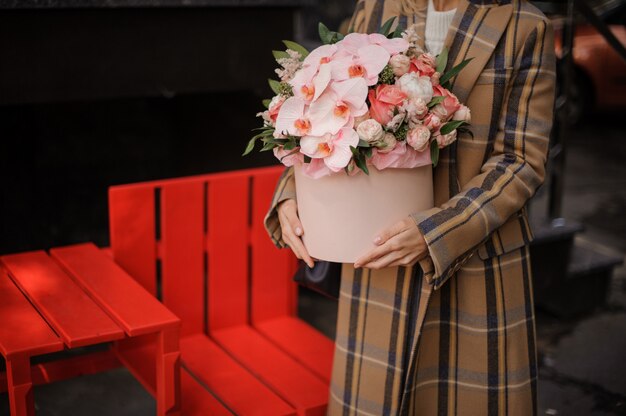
[341,215]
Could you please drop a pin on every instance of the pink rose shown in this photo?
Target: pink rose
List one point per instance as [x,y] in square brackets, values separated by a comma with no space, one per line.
[462,114]
[274,107]
[400,64]
[370,130]
[383,100]
[389,141]
[449,106]
[435,78]
[424,65]
[288,157]
[433,122]
[360,119]
[418,138]
[446,139]
[416,108]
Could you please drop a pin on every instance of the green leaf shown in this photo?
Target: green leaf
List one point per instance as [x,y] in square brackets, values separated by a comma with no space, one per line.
[453,72]
[250,146]
[274,85]
[266,103]
[289,145]
[363,143]
[386,27]
[396,33]
[280,54]
[436,100]
[368,152]
[325,33]
[434,152]
[338,37]
[450,126]
[442,60]
[296,47]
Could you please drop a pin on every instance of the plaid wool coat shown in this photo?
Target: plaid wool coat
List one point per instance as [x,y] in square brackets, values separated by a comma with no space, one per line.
[456,335]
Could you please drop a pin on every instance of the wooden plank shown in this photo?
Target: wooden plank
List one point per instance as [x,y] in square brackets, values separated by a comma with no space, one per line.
[197,400]
[132,232]
[240,390]
[294,383]
[23,330]
[274,293]
[228,251]
[182,259]
[123,298]
[64,305]
[302,342]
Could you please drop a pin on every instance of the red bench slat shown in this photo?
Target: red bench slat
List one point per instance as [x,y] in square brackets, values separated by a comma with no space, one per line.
[228,252]
[182,241]
[301,341]
[125,300]
[132,232]
[300,388]
[273,291]
[22,330]
[70,312]
[240,390]
[197,401]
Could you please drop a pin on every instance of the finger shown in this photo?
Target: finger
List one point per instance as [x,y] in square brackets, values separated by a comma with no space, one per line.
[395,229]
[384,261]
[376,253]
[290,212]
[288,238]
[304,254]
[406,261]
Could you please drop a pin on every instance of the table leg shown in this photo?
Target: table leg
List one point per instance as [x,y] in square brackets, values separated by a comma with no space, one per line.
[168,373]
[20,386]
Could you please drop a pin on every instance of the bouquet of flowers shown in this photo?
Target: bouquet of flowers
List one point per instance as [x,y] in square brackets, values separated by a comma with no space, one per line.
[358,101]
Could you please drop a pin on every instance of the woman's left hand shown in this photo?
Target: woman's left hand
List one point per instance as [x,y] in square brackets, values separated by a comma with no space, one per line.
[402,244]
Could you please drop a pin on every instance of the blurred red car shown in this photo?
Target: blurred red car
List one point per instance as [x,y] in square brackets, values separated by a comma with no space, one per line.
[599,72]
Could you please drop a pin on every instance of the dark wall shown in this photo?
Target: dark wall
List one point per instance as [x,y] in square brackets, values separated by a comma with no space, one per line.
[93,98]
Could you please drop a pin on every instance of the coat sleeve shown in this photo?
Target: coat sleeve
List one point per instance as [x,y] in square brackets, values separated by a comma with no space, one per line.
[512,173]
[285,189]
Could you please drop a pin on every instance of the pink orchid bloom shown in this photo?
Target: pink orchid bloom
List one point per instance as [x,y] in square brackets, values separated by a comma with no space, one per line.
[354,41]
[291,118]
[338,106]
[310,82]
[319,56]
[334,149]
[316,169]
[367,63]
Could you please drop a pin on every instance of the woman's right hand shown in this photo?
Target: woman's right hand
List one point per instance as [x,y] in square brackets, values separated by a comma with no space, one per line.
[292,229]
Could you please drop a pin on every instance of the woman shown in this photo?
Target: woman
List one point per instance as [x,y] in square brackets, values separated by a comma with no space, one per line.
[438,318]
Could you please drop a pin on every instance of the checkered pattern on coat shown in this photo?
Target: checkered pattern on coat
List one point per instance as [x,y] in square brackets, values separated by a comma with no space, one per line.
[456,335]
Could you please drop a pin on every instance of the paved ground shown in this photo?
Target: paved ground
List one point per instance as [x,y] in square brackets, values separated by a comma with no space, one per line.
[583,366]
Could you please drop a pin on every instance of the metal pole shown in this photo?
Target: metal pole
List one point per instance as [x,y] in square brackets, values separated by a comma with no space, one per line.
[562,124]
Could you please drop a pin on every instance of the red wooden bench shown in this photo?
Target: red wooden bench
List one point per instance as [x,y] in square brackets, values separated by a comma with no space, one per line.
[198,244]
[79,297]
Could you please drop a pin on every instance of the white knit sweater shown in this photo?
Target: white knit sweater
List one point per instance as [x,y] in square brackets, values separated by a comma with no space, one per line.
[437,24]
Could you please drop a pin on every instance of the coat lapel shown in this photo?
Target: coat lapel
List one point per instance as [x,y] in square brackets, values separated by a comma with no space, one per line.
[474,33]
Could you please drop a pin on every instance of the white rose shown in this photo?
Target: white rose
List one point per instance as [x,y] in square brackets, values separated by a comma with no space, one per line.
[447,139]
[418,138]
[416,87]
[390,142]
[360,119]
[400,64]
[370,130]
[462,114]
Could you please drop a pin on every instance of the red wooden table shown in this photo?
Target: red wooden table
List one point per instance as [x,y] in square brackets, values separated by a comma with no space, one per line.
[74,297]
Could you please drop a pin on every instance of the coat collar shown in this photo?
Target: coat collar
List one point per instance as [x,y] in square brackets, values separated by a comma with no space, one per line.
[474,33]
